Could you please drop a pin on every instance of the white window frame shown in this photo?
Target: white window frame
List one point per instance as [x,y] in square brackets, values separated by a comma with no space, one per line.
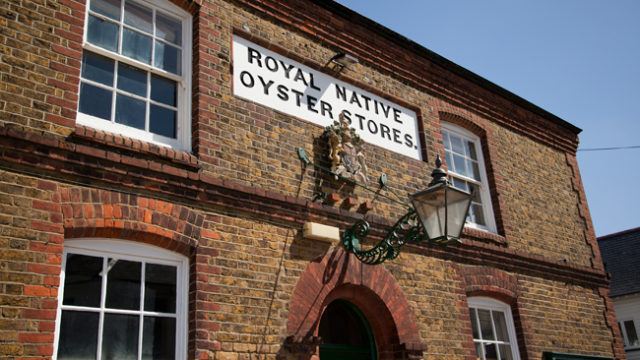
[486,303]
[625,337]
[483,184]
[183,96]
[133,251]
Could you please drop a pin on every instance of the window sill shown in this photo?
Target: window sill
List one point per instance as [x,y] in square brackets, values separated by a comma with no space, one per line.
[483,236]
[123,142]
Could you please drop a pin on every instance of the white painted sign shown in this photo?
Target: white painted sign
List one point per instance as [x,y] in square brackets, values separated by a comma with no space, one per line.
[280,83]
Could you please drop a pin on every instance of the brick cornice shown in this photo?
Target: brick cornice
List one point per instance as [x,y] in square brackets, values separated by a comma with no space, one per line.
[140,173]
[419,67]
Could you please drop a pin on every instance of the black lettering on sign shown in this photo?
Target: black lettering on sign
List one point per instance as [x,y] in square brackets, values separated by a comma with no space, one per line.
[300,77]
[311,102]
[354,99]
[326,107]
[247,79]
[408,140]
[298,96]
[385,110]
[312,84]
[396,136]
[287,69]
[360,121]
[266,85]
[341,93]
[385,131]
[271,64]
[347,115]
[366,101]
[396,115]
[254,55]
[283,92]
[373,127]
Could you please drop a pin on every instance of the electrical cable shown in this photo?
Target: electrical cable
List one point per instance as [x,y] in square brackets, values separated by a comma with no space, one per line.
[611,148]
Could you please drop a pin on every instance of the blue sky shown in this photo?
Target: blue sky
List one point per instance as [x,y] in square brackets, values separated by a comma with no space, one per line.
[578,59]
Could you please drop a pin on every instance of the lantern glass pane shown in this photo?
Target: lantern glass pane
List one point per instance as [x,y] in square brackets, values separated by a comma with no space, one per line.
[458,204]
[430,207]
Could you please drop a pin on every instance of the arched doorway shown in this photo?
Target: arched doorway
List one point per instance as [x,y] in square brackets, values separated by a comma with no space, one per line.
[370,290]
[345,333]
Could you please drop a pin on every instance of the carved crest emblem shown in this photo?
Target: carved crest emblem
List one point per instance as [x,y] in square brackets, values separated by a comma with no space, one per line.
[345,153]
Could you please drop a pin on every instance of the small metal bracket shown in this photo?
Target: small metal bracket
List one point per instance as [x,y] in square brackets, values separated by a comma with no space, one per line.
[303,156]
[383,180]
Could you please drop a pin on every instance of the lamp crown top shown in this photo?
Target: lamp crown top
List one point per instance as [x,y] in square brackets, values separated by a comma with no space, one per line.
[438,175]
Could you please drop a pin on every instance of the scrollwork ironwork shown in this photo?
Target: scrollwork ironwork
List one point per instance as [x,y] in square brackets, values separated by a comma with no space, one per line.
[406,229]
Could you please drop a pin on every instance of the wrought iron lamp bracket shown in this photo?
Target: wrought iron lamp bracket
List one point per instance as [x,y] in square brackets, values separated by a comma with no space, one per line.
[408,229]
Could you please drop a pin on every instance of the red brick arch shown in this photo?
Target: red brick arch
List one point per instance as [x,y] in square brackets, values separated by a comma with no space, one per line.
[490,282]
[339,275]
[101,213]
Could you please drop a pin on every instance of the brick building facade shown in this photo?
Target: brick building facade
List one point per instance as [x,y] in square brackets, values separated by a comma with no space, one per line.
[149,207]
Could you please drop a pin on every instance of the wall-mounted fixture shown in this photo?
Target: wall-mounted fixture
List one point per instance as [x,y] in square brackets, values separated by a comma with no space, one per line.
[437,215]
[340,61]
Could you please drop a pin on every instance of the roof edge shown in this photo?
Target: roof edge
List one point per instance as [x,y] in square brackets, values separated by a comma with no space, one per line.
[623,232]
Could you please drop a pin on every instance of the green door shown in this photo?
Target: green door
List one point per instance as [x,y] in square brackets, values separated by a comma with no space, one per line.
[345,333]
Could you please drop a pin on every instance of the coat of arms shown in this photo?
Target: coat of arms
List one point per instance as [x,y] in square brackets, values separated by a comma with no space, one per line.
[347,159]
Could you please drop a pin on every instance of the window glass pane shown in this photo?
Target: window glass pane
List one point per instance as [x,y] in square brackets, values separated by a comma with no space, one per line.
[160,288]
[632,335]
[476,171]
[158,338]
[505,352]
[167,57]
[138,16]
[169,29]
[467,150]
[162,121]
[475,190]
[472,150]
[490,351]
[123,284]
[478,215]
[130,111]
[501,326]
[132,80]
[460,184]
[102,33]
[97,68]
[82,280]
[472,170]
[449,161]
[163,90]
[78,335]
[474,324]
[120,336]
[136,46]
[459,165]
[456,144]
[445,140]
[95,101]
[485,324]
[108,8]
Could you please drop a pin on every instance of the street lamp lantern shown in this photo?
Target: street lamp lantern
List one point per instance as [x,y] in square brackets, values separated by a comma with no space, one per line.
[442,208]
[438,215]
